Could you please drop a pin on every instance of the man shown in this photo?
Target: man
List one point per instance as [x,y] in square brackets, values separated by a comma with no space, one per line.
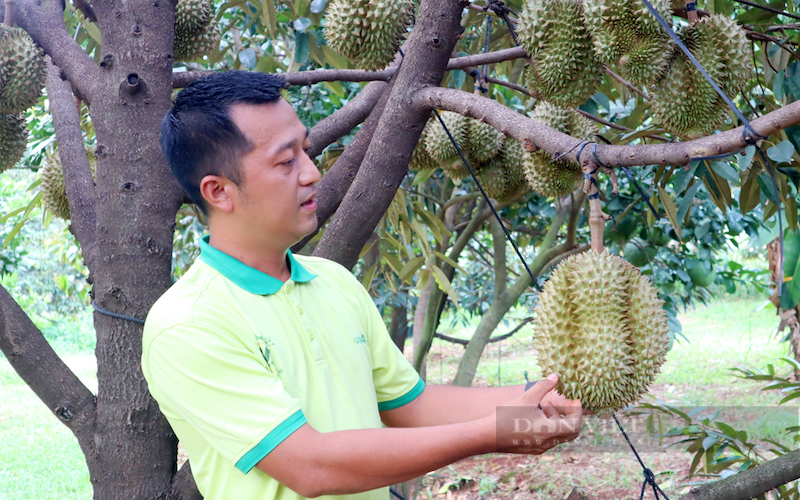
[276,371]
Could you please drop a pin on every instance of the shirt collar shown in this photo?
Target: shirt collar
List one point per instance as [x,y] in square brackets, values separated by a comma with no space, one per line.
[247,278]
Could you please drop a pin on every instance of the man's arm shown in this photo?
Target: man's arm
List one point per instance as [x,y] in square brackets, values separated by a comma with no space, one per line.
[342,462]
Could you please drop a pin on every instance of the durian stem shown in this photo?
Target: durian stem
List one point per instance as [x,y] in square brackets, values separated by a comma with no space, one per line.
[9,13]
[625,82]
[597,218]
[691,15]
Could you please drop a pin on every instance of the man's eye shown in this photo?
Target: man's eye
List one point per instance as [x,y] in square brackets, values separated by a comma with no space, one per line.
[288,162]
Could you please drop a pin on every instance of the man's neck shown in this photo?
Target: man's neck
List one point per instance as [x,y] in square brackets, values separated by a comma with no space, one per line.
[251,252]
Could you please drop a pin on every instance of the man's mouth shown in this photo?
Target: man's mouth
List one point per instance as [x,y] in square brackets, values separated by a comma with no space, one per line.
[309,202]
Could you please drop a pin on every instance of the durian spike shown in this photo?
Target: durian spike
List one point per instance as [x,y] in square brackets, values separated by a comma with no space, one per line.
[691,14]
[597,218]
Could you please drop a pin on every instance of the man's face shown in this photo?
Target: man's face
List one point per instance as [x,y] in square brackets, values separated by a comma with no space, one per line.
[276,197]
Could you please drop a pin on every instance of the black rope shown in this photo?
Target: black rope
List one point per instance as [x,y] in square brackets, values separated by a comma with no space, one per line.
[649,477]
[397,494]
[749,135]
[116,315]
[491,205]
[767,8]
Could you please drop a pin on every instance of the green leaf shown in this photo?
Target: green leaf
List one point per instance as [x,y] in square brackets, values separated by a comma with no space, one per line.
[777,85]
[749,194]
[411,267]
[727,429]
[248,58]
[671,209]
[781,152]
[450,261]
[746,159]
[710,441]
[724,169]
[444,284]
[459,77]
[269,17]
[334,59]
[302,24]
[686,202]
[302,47]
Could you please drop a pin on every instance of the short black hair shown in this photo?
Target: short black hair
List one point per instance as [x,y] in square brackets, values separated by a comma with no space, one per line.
[198,137]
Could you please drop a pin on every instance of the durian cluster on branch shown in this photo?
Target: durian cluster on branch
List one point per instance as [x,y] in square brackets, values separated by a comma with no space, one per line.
[53,186]
[22,74]
[196,33]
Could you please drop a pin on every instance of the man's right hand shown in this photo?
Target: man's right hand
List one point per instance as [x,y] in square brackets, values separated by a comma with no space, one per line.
[537,420]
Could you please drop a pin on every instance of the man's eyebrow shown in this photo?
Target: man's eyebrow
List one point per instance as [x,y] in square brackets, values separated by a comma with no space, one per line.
[289,144]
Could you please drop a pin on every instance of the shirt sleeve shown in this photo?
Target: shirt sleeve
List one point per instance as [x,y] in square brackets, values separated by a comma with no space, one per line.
[222,388]
[396,381]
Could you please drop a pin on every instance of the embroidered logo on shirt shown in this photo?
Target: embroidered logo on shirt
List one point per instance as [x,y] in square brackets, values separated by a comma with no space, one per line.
[360,339]
[264,344]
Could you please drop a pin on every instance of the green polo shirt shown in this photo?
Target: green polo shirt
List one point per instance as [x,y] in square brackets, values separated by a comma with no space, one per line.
[238,361]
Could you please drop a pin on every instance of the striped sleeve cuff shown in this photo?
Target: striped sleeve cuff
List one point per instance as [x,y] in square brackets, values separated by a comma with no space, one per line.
[404,399]
[270,441]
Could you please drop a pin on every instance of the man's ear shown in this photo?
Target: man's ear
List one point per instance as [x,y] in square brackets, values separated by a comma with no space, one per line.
[217,192]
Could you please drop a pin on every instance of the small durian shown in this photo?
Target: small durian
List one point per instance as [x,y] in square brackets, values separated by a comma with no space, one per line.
[192,16]
[420,159]
[483,141]
[22,70]
[193,45]
[502,177]
[549,178]
[600,326]
[626,35]
[369,32]
[13,140]
[52,184]
[563,69]
[438,143]
[683,101]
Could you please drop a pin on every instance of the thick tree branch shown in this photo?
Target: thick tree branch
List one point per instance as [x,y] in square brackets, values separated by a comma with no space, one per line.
[386,160]
[522,128]
[343,120]
[335,183]
[487,58]
[41,368]
[750,483]
[77,173]
[183,485]
[499,245]
[44,22]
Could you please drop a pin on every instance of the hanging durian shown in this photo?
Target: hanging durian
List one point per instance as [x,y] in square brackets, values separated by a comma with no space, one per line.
[13,140]
[420,159]
[368,32]
[438,143]
[627,36]
[502,177]
[564,68]
[196,33]
[52,185]
[22,70]
[600,326]
[483,141]
[549,178]
[683,101]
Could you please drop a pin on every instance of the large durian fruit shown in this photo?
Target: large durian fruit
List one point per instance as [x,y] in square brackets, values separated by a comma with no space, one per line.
[52,185]
[600,326]
[368,32]
[683,101]
[22,70]
[503,177]
[420,159]
[564,68]
[196,33]
[560,177]
[13,140]
[627,36]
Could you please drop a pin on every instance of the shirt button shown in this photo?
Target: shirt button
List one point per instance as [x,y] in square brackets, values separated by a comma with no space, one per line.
[300,309]
[311,335]
[289,287]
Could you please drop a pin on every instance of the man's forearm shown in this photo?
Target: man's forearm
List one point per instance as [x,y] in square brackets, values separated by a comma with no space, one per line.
[313,463]
[444,404]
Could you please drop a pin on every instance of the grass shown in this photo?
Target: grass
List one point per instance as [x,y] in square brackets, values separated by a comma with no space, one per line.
[40,459]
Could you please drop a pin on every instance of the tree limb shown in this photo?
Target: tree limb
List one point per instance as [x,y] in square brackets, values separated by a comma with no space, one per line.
[750,483]
[499,245]
[333,186]
[184,78]
[524,129]
[183,485]
[492,340]
[40,367]
[77,173]
[345,119]
[45,24]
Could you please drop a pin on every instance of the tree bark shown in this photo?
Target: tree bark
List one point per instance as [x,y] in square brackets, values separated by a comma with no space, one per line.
[386,160]
[750,483]
[524,129]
